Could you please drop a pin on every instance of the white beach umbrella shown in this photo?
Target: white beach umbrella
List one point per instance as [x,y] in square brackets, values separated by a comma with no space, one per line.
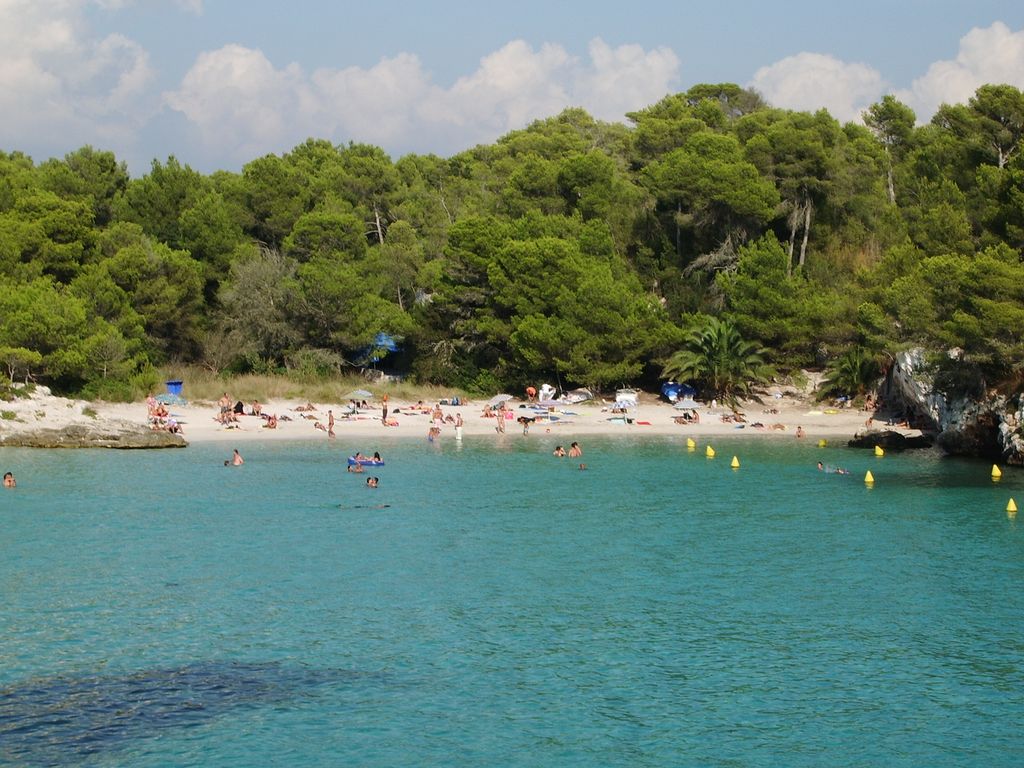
[499,399]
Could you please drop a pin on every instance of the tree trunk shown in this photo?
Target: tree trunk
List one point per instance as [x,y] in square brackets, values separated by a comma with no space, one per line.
[794,217]
[679,237]
[888,177]
[376,219]
[807,232]
[440,193]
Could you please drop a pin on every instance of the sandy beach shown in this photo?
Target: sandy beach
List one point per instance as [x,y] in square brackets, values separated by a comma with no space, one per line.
[778,415]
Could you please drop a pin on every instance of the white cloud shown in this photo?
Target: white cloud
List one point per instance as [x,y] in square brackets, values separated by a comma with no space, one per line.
[511,87]
[811,81]
[624,79]
[58,80]
[396,103]
[376,105]
[192,6]
[239,101]
[994,54]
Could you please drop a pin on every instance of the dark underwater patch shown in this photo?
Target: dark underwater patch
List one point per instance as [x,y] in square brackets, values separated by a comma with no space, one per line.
[64,719]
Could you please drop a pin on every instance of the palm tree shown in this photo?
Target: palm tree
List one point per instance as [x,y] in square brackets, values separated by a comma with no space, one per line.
[852,373]
[716,356]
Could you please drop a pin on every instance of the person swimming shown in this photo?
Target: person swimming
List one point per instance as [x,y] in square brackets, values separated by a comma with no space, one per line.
[828,469]
[9,481]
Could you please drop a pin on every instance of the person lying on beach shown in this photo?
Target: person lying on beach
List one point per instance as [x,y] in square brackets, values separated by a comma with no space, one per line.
[307,407]
[271,422]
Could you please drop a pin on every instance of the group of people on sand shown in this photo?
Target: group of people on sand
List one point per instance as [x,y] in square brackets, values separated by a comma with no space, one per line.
[159,417]
[228,413]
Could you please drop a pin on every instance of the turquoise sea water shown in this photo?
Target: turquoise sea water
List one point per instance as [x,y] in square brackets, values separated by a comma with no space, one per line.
[492,605]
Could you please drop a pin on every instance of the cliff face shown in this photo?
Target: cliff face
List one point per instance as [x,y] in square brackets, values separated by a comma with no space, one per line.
[988,426]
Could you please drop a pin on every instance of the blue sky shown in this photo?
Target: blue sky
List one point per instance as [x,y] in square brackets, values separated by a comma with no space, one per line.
[218,83]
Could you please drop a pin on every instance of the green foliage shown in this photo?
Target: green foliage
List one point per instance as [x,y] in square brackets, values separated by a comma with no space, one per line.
[851,374]
[572,248]
[718,360]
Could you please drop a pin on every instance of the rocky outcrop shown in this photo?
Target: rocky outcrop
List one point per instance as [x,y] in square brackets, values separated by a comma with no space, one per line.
[890,440]
[988,425]
[123,435]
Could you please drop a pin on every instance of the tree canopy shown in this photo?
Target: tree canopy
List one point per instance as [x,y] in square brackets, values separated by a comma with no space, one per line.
[572,250]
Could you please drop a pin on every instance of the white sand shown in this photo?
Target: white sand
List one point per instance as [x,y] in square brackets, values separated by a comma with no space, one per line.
[653,417]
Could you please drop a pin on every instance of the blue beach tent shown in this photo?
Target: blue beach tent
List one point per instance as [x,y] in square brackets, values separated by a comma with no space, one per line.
[673,390]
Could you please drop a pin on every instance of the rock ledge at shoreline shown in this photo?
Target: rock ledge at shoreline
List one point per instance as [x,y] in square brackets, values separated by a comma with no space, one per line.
[106,434]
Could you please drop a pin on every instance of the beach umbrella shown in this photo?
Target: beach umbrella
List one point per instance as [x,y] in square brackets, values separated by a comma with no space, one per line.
[359,393]
[499,399]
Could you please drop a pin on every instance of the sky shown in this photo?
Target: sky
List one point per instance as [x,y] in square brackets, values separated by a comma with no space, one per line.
[217,83]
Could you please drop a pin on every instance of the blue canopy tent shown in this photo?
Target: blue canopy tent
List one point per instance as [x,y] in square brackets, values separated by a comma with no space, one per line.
[673,390]
[383,344]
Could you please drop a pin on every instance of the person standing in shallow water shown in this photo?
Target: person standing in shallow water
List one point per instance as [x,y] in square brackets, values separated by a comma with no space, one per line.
[9,480]
[237,459]
[575,451]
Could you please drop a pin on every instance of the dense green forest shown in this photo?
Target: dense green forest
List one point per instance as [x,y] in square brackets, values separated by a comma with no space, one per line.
[575,251]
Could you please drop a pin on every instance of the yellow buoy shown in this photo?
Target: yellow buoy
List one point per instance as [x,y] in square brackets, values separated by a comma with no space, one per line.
[823,443]
[735,463]
[996,472]
[879,451]
[869,479]
[709,452]
[1012,507]
[691,443]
